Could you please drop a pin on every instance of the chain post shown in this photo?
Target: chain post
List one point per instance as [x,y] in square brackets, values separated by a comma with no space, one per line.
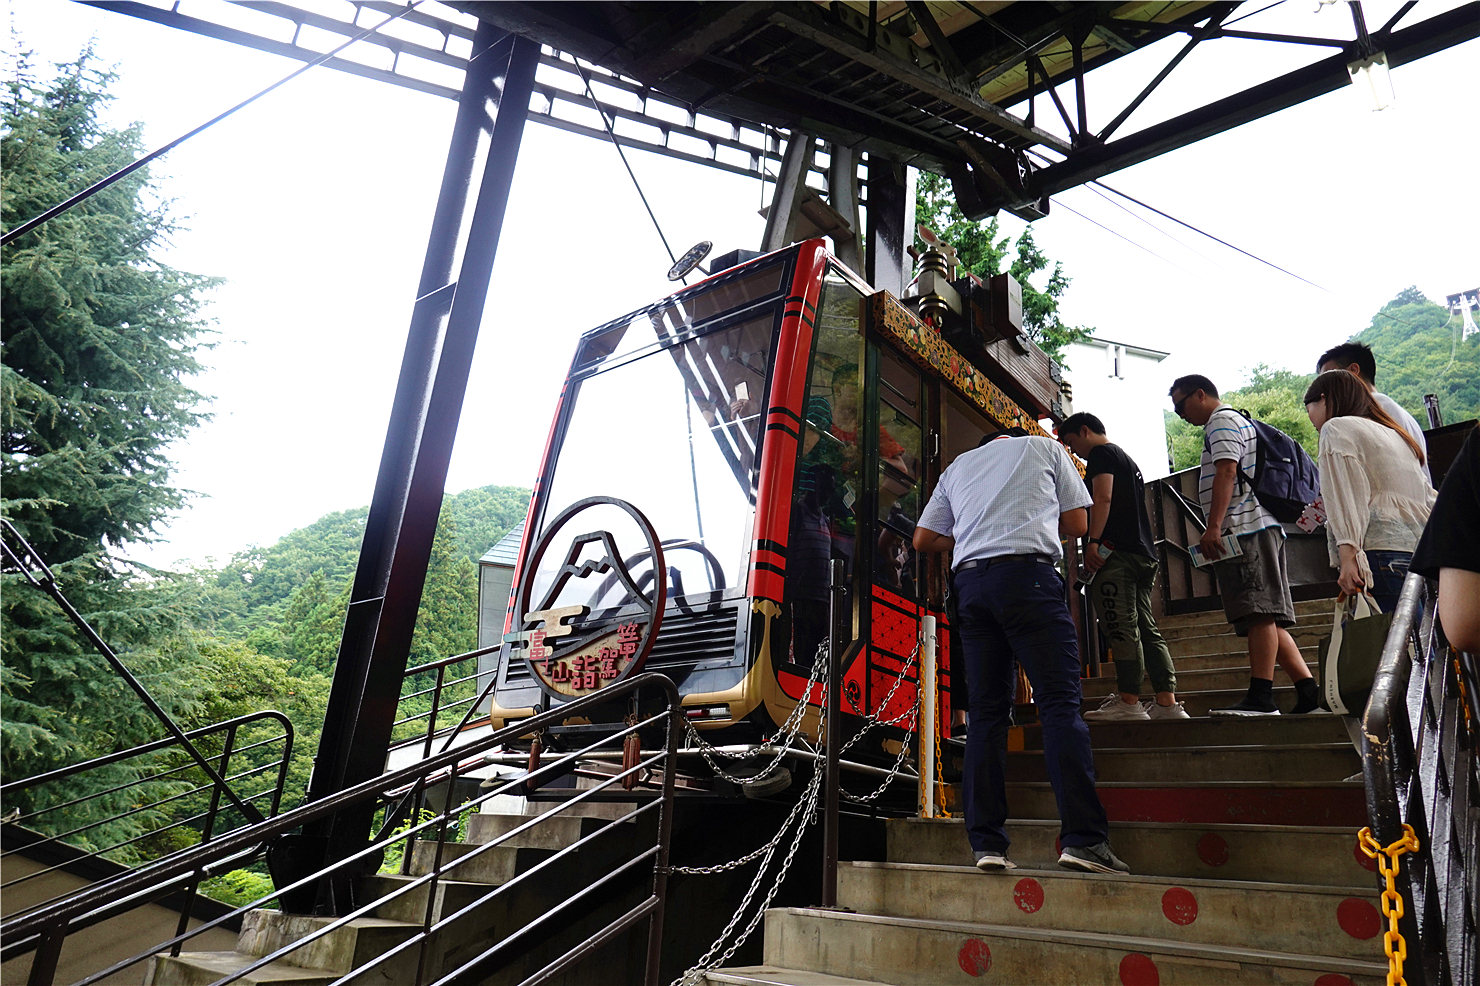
[1392,901]
[838,587]
[925,731]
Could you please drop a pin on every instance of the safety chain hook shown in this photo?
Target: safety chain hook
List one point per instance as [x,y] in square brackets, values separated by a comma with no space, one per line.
[1392,901]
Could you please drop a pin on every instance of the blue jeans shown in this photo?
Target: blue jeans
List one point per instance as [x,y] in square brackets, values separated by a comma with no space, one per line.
[1389,569]
[1010,613]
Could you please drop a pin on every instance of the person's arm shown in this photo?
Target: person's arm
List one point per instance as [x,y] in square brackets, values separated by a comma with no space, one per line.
[1224,471]
[1101,487]
[1459,608]
[1072,523]
[932,541]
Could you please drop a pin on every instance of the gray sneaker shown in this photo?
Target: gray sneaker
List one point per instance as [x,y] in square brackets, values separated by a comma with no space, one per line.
[1092,859]
[991,862]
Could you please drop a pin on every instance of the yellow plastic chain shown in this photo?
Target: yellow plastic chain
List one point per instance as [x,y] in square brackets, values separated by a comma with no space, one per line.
[1392,902]
[942,809]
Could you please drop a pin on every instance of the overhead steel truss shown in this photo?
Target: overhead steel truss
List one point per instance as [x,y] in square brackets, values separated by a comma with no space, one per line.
[958,88]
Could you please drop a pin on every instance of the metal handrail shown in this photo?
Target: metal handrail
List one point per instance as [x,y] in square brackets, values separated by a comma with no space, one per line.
[53,922]
[1422,770]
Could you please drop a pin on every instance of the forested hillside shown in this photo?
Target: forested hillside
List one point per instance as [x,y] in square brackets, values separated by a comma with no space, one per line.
[1419,349]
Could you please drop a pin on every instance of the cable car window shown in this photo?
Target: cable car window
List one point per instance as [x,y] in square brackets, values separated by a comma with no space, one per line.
[898,466]
[964,428]
[823,522]
[675,433]
[678,314]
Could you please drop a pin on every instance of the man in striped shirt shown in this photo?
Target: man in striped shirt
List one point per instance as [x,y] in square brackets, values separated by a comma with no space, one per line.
[1254,584]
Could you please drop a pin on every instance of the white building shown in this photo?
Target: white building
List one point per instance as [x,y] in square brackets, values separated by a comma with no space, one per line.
[1124,386]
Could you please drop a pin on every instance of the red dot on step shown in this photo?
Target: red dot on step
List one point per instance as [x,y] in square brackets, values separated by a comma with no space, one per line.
[1332,979]
[975,958]
[1179,906]
[1358,918]
[1212,849]
[1028,894]
[1138,970]
[1367,862]
[1057,845]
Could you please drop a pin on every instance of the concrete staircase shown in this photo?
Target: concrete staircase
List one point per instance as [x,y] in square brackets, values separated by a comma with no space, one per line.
[1240,834]
[393,922]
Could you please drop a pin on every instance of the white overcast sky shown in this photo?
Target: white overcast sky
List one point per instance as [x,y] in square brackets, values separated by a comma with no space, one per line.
[315,204]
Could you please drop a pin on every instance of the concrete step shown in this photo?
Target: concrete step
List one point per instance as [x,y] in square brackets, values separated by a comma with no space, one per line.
[1243,802]
[345,948]
[765,975]
[452,896]
[1215,731]
[910,951]
[1239,659]
[553,831]
[1283,917]
[1200,703]
[1217,677]
[204,968]
[1325,856]
[1229,643]
[1304,622]
[491,864]
[1273,764]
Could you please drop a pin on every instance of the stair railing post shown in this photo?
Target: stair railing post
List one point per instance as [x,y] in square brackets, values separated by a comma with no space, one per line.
[838,587]
[928,721]
[665,838]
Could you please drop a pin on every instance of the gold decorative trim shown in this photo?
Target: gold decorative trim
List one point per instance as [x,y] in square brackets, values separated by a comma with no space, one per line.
[924,344]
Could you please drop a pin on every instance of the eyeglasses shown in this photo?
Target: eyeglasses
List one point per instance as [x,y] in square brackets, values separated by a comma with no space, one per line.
[1179,407]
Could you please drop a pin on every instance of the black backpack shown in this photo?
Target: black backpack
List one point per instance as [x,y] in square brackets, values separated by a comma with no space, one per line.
[1285,480]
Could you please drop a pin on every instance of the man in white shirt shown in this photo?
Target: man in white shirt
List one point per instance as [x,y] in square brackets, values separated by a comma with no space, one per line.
[1254,584]
[1356,358]
[1002,510]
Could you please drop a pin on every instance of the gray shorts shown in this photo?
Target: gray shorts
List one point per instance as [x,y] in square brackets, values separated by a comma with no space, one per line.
[1255,583]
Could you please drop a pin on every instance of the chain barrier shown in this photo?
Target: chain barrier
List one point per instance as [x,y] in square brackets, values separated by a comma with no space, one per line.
[786,734]
[803,813]
[808,816]
[1392,901]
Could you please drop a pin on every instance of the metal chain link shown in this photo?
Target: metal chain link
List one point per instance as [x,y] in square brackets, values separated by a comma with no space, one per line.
[787,732]
[709,960]
[1392,901]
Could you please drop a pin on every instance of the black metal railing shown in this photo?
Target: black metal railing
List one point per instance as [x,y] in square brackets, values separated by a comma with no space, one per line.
[168,802]
[1419,759]
[50,925]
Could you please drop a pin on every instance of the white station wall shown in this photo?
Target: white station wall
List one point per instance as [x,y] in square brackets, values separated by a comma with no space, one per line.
[1130,404]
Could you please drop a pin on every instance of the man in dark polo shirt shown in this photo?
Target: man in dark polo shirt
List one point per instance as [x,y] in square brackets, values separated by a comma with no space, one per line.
[1122,556]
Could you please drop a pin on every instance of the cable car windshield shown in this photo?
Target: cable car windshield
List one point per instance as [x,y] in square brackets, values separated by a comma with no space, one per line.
[675,431]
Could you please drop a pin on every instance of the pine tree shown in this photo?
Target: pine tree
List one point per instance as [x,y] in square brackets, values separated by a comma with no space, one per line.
[100,340]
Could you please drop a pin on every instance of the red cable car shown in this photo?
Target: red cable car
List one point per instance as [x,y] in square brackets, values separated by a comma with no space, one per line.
[748,431]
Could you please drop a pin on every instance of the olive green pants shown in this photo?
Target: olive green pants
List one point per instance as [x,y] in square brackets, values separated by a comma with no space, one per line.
[1121,593]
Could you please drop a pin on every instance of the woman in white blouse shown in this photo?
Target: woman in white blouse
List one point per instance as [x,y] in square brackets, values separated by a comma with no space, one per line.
[1372,484]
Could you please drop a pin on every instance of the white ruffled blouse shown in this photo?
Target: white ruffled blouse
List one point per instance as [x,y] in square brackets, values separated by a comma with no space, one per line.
[1373,489]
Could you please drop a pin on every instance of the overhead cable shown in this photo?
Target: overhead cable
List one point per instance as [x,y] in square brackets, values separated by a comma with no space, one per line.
[623,155]
[129,169]
[1112,232]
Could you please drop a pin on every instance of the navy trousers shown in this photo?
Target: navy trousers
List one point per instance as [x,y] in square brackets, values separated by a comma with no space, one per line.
[1012,613]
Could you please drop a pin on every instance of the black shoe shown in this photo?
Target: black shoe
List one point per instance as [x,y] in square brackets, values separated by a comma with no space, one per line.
[1247,707]
[1092,859]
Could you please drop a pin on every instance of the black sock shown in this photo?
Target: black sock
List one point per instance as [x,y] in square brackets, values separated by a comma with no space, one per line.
[1261,693]
[1307,696]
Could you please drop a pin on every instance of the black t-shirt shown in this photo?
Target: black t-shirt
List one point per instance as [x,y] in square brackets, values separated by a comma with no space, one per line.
[1452,537]
[1127,528]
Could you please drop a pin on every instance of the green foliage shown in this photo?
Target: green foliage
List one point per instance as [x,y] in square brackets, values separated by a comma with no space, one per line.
[981,252]
[1420,350]
[238,887]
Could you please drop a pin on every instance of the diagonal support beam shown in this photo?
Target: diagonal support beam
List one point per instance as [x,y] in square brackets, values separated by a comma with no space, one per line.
[413,470]
[938,43]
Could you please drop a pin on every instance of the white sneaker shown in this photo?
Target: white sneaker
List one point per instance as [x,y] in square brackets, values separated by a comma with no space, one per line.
[1173,711]
[1114,710]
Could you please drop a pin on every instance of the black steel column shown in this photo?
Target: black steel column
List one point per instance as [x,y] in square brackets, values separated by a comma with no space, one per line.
[423,424]
[890,226]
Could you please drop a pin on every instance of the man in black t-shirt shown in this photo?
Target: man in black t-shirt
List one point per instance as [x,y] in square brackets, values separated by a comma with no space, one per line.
[1122,559]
